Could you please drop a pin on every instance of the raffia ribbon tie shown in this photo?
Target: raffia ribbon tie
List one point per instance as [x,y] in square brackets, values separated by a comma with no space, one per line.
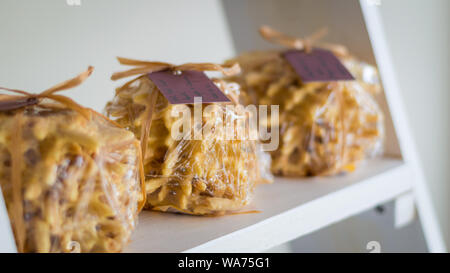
[307,43]
[145,67]
[23,98]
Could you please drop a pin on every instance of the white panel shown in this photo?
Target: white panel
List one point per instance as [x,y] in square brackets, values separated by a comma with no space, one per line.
[6,237]
[426,211]
[418,33]
[405,210]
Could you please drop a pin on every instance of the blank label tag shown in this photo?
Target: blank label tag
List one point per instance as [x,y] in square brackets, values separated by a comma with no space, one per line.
[320,65]
[183,87]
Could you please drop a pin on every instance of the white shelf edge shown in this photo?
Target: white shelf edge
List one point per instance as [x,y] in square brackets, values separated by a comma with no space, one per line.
[290,208]
[326,210]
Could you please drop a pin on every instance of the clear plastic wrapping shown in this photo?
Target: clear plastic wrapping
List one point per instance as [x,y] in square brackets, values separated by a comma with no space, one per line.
[70,183]
[210,175]
[325,128]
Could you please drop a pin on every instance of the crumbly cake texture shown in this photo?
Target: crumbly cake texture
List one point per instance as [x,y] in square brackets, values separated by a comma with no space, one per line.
[77,183]
[325,128]
[208,176]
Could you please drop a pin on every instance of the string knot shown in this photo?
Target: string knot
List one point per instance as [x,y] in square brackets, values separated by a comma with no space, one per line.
[145,67]
[24,99]
[307,43]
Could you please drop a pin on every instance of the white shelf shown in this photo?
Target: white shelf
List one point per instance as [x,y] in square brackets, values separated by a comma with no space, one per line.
[290,208]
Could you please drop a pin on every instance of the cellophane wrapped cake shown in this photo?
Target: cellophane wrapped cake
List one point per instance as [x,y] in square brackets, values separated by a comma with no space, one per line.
[325,127]
[70,183]
[207,176]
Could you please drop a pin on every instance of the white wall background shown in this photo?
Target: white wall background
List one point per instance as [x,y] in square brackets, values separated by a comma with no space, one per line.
[47,41]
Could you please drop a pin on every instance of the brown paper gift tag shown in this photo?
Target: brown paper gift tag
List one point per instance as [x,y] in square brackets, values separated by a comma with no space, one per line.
[181,87]
[319,65]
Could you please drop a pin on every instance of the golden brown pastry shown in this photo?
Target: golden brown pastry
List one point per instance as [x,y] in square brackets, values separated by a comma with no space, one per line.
[325,128]
[211,175]
[79,180]
[71,178]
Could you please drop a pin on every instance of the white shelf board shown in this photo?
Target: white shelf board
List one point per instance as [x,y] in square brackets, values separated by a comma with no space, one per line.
[290,208]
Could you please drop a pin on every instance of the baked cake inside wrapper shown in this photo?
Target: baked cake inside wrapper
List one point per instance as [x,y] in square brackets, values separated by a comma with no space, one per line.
[325,127]
[70,183]
[211,175]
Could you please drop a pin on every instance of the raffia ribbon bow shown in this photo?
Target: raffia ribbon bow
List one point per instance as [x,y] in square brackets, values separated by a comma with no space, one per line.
[23,99]
[145,67]
[277,37]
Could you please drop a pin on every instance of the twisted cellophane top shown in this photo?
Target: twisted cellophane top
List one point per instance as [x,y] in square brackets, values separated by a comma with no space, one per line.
[325,127]
[211,175]
[78,183]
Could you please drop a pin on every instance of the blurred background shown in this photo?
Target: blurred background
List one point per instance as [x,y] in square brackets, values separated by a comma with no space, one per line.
[48,41]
